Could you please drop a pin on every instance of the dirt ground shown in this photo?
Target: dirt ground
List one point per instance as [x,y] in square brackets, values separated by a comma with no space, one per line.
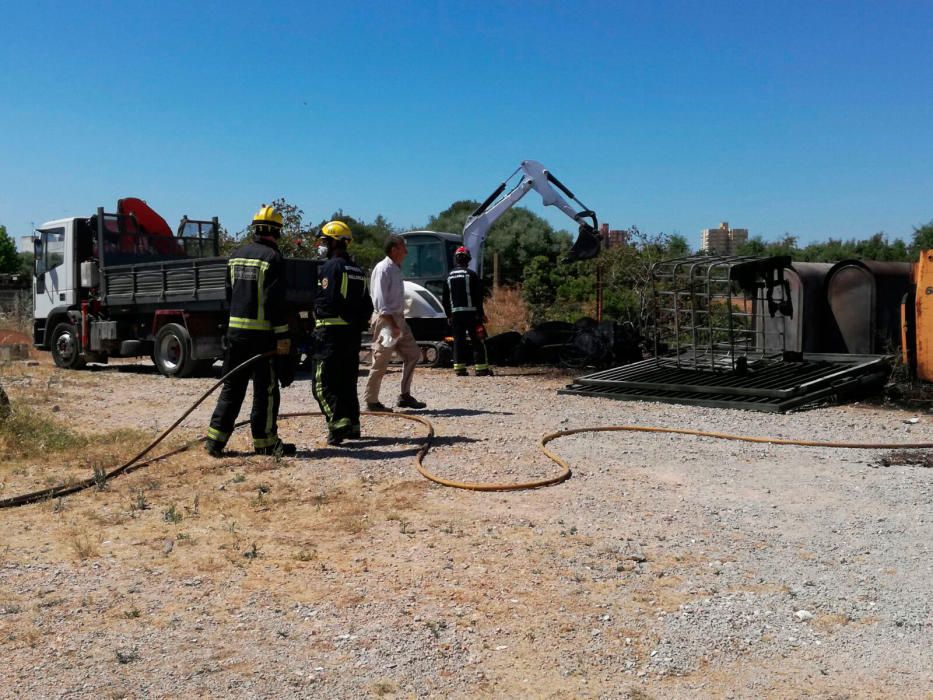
[667,566]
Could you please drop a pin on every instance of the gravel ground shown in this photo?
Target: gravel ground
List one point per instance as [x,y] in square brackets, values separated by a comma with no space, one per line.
[668,566]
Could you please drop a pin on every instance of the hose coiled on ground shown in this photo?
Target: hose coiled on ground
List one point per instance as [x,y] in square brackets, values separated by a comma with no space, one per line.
[566,473]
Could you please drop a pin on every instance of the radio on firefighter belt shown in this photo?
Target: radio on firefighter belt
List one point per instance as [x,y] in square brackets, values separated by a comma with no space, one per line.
[480,331]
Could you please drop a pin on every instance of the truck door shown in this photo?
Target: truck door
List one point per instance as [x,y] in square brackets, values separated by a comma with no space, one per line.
[52,282]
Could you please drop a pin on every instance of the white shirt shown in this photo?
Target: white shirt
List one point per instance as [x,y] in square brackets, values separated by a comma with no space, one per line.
[387,288]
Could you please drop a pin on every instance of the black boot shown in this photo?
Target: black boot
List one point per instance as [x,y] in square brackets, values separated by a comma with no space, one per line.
[279,449]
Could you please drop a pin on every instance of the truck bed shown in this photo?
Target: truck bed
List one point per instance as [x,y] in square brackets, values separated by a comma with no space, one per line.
[198,282]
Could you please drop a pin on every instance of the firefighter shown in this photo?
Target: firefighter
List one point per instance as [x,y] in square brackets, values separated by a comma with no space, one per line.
[342,308]
[463,302]
[255,285]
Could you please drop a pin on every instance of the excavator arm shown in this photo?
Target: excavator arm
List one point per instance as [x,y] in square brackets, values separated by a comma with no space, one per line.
[534,177]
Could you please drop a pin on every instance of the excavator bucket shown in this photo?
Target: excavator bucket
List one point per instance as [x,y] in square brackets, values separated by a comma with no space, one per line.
[585,247]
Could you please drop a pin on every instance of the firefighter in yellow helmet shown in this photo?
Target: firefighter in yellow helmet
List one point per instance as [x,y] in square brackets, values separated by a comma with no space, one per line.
[342,308]
[258,324]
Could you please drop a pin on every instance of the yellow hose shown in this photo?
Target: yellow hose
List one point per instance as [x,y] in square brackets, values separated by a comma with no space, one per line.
[566,473]
[136,463]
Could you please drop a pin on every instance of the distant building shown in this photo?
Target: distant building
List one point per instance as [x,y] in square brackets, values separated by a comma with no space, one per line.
[25,244]
[723,240]
[615,237]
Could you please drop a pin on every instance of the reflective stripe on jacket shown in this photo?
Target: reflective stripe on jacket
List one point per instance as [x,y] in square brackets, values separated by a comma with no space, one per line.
[463,292]
[341,297]
[256,288]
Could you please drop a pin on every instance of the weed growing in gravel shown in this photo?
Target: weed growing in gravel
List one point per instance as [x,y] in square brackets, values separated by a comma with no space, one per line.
[82,545]
[381,688]
[436,627]
[252,552]
[239,478]
[172,515]
[306,555]
[127,657]
[139,501]
[50,603]
[131,614]
[261,491]
[100,476]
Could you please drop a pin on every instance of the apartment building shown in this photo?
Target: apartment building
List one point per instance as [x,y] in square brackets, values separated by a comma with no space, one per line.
[723,240]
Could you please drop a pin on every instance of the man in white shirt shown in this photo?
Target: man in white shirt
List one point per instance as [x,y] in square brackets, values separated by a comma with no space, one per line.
[388,294]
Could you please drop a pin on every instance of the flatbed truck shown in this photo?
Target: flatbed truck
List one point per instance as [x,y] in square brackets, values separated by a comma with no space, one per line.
[116,285]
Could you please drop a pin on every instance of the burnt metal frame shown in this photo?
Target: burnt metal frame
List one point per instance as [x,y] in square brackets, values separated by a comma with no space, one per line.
[693,288]
[780,387]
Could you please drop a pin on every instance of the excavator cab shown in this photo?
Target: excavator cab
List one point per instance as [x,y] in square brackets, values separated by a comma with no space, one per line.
[430,258]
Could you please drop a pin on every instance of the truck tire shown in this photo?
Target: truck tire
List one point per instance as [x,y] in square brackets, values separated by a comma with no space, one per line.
[66,348]
[172,352]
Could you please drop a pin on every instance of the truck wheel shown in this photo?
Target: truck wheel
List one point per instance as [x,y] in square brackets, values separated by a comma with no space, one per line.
[172,352]
[66,348]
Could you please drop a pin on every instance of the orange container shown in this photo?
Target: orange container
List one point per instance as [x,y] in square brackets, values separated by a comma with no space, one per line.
[923,310]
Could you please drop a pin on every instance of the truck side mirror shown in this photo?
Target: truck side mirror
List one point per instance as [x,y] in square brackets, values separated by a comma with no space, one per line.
[38,265]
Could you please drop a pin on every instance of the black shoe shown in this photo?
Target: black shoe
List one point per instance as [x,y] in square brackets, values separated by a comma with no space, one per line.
[460,372]
[334,440]
[214,449]
[279,449]
[409,401]
[354,433]
[377,407]
[484,373]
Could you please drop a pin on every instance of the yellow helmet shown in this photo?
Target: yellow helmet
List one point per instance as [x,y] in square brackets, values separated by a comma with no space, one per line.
[268,216]
[336,230]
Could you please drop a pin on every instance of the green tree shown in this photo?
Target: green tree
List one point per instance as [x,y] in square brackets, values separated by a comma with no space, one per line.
[753,246]
[566,292]
[368,239]
[26,264]
[9,258]
[518,237]
[922,239]
[678,246]
[453,218]
[296,241]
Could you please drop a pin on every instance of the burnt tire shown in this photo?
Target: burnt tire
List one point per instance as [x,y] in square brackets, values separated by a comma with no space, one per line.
[66,347]
[172,352]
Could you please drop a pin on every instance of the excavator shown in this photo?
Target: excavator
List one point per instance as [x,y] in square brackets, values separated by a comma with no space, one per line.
[431,253]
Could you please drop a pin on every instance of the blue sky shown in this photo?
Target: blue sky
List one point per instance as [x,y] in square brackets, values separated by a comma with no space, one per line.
[809,118]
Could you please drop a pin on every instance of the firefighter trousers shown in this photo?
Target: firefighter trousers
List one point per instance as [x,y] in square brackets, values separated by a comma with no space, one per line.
[464,325]
[242,345]
[335,370]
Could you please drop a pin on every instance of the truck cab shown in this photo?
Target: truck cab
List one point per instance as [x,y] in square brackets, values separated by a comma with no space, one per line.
[74,258]
[55,276]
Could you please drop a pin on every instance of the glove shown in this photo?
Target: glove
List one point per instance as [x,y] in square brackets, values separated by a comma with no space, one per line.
[283,346]
[285,369]
[481,331]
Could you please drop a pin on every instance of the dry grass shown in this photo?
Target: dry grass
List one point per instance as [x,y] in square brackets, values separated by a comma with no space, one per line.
[83,544]
[507,311]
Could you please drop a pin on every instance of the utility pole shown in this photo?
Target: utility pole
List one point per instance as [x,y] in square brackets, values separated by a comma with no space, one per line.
[599,292]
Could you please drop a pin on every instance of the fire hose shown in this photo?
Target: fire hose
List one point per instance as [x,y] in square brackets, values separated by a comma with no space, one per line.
[135,463]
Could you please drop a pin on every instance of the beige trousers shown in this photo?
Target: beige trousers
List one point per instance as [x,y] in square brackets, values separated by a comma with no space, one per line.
[407,349]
